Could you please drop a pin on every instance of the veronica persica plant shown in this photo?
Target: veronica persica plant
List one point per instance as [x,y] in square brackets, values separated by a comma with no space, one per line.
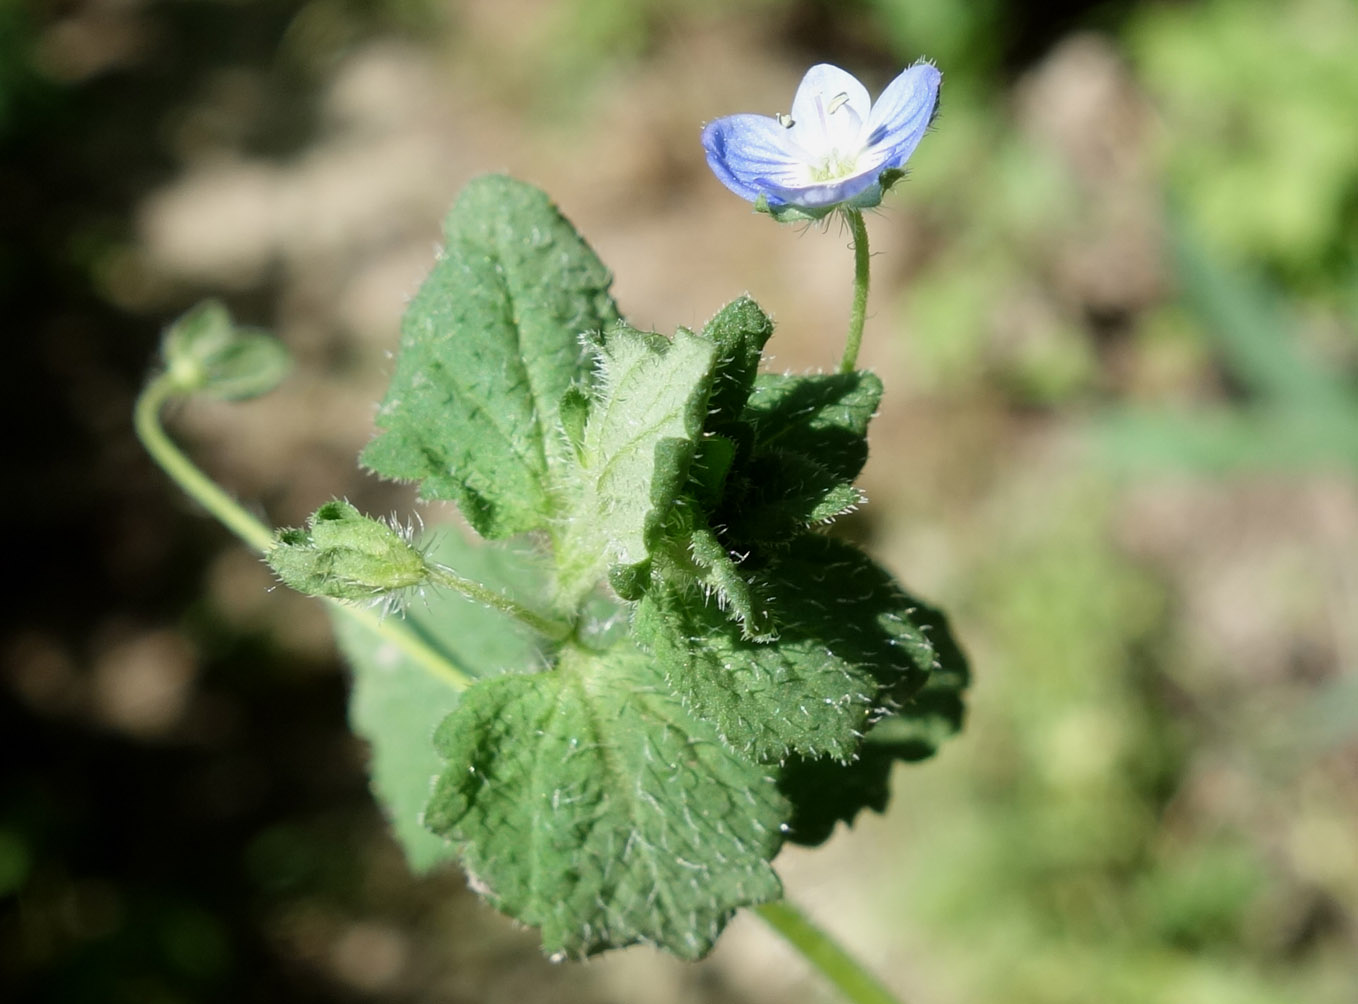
[836,150]
[656,669]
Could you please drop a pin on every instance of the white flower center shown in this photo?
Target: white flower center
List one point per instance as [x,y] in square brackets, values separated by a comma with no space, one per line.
[836,136]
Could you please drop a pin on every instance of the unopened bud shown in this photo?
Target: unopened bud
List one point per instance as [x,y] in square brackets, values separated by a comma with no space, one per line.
[205,352]
[347,556]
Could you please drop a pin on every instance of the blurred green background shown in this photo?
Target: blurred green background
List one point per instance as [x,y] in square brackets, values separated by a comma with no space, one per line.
[1116,311]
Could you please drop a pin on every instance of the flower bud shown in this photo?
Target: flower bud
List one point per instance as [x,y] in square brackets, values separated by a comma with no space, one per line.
[205,352]
[347,556]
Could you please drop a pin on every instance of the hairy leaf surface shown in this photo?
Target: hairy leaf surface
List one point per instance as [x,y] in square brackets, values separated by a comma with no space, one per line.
[396,703]
[740,330]
[808,445]
[489,347]
[824,792]
[638,442]
[589,803]
[823,416]
[848,649]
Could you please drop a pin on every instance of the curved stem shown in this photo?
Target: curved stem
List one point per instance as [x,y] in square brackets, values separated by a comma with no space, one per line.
[842,970]
[227,511]
[860,289]
[197,485]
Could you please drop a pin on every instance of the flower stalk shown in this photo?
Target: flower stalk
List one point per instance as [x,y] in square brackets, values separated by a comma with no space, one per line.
[858,313]
[165,387]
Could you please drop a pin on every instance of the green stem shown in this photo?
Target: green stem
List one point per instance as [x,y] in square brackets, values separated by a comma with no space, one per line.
[842,970]
[197,485]
[860,289]
[555,630]
[226,510]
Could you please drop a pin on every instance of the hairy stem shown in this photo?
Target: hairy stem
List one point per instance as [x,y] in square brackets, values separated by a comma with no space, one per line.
[227,511]
[843,971]
[860,289]
[442,576]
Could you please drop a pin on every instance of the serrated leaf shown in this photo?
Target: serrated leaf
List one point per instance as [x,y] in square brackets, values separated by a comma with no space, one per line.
[489,347]
[822,416]
[588,803]
[638,442]
[935,712]
[824,792]
[396,703]
[807,444]
[847,651]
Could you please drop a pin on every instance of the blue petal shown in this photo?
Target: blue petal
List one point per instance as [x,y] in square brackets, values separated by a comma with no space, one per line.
[825,193]
[753,155]
[902,114]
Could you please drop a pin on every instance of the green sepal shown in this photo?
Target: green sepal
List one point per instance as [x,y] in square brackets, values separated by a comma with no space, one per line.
[887,180]
[489,348]
[869,198]
[824,792]
[785,212]
[345,555]
[587,802]
[847,652]
[206,353]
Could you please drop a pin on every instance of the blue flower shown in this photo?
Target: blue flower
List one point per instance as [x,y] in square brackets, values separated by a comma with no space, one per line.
[835,149]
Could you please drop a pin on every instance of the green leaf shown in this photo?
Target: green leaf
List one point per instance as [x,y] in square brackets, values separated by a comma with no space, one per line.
[693,558]
[784,492]
[639,440]
[736,593]
[740,331]
[574,413]
[822,416]
[809,444]
[848,650]
[824,792]
[396,704]
[588,803]
[206,353]
[489,348]
[708,472]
